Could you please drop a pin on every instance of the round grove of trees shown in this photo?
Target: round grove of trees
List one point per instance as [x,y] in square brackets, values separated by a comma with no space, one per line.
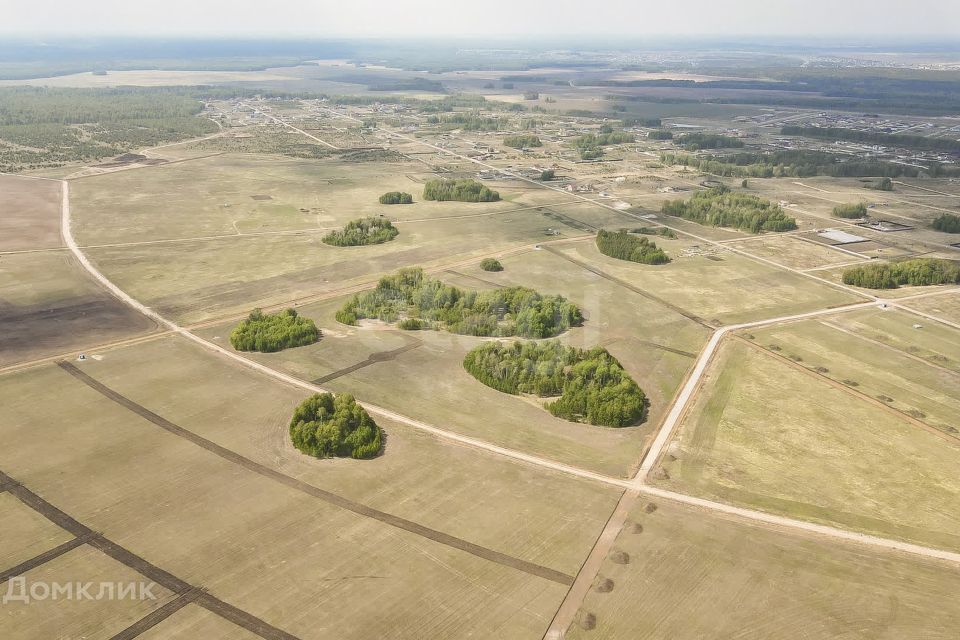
[327,426]
[591,384]
[491,264]
[361,232]
[268,333]
[396,197]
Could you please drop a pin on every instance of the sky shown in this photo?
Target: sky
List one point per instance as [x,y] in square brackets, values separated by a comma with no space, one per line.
[489,18]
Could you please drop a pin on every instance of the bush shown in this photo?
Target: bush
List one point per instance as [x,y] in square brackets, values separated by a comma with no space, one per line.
[396,197]
[327,425]
[458,190]
[270,333]
[491,264]
[592,385]
[947,222]
[850,211]
[918,273]
[719,208]
[623,246]
[547,174]
[411,324]
[522,141]
[656,231]
[363,231]
[501,312]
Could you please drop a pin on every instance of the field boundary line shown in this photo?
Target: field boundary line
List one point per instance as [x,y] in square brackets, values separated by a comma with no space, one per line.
[313,491]
[139,564]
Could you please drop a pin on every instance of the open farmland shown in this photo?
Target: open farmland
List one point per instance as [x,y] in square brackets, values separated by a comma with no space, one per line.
[701,575]
[787,462]
[817,460]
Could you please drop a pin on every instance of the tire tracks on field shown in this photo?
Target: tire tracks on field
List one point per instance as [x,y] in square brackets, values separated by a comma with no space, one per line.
[448,540]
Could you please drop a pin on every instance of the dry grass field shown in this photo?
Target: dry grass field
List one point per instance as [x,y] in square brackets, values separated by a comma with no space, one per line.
[158,459]
[692,574]
[817,458]
[237,529]
[31,214]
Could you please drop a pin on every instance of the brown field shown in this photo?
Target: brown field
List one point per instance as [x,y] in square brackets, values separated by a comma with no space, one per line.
[49,305]
[31,214]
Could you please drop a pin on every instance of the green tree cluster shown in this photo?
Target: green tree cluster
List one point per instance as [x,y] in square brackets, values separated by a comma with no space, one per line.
[362,231]
[624,246]
[803,164]
[590,146]
[327,426]
[656,231]
[522,141]
[268,333]
[491,264]
[697,141]
[500,312]
[918,273]
[718,207]
[947,222]
[592,385]
[547,174]
[660,134]
[850,211]
[396,197]
[444,189]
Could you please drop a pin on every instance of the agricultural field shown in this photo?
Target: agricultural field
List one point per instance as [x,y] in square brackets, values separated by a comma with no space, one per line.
[783,414]
[817,461]
[682,573]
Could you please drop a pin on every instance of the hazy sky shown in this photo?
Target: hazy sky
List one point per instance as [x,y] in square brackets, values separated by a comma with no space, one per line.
[325,18]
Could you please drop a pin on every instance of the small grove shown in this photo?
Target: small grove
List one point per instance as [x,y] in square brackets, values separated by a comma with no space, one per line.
[718,207]
[418,302]
[396,197]
[444,189]
[268,333]
[327,426]
[624,246]
[947,222]
[918,273]
[362,231]
[591,384]
[850,211]
[522,141]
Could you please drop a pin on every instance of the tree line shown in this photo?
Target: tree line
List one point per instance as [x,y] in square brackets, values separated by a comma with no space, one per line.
[697,141]
[327,426]
[522,141]
[624,246]
[411,296]
[920,143]
[718,207]
[591,384]
[362,231]
[445,189]
[918,272]
[268,333]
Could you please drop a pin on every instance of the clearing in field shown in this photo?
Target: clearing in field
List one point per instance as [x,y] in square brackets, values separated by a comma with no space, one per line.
[768,433]
[682,573]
